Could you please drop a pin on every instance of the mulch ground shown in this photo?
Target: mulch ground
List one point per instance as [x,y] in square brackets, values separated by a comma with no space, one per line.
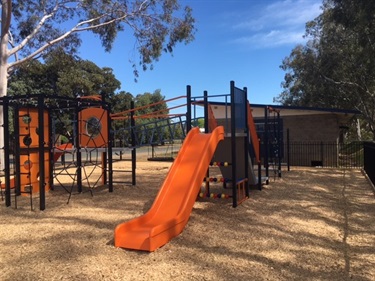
[311,224]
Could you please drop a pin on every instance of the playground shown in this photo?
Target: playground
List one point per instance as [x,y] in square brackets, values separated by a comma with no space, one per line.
[107,212]
[311,224]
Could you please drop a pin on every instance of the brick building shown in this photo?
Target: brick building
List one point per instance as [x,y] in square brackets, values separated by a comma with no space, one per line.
[314,133]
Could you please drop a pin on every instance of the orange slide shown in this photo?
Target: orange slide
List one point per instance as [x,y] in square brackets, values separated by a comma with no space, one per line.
[11,184]
[171,209]
[60,150]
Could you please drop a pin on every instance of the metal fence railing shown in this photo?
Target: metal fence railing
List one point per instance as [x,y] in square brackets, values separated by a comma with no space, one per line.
[324,154]
[369,160]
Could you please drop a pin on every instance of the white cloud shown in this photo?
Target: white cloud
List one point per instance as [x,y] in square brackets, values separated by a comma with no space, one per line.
[276,24]
[273,38]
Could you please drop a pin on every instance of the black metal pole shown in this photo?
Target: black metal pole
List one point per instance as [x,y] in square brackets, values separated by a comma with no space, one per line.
[205,95]
[17,151]
[233,145]
[6,151]
[288,148]
[259,169]
[266,143]
[279,141]
[51,143]
[78,146]
[206,130]
[133,136]
[110,137]
[188,110]
[41,149]
[246,143]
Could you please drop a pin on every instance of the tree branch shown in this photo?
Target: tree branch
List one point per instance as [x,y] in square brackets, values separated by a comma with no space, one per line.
[35,31]
[75,29]
[345,83]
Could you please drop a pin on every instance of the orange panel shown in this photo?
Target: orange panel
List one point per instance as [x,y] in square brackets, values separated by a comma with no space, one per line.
[29,144]
[28,120]
[30,170]
[93,128]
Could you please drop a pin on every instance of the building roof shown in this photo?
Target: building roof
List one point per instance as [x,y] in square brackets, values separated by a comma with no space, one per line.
[258,110]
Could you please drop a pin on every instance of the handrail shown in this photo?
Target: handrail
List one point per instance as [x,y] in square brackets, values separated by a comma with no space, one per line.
[93,97]
[149,115]
[159,116]
[146,106]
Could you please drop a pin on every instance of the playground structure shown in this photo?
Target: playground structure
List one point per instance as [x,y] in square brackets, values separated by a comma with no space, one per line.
[72,139]
[172,206]
[272,141]
[230,138]
[33,148]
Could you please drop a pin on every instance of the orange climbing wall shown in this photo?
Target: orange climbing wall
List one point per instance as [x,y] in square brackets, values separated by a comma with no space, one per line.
[93,129]
[29,149]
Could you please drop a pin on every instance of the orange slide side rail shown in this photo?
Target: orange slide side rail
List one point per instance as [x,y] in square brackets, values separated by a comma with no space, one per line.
[212,123]
[171,209]
[253,132]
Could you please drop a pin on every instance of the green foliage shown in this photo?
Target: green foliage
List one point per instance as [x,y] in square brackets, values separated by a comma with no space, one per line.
[121,101]
[64,75]
[39,27]
[150,128]
[146,99]
[336,67]
[198,122]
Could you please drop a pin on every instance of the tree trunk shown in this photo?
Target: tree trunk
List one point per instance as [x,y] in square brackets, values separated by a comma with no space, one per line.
[5,20]
[358,127]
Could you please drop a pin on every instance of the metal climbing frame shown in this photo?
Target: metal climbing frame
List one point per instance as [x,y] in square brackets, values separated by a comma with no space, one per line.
[235,123]
[272,141]
[34,148]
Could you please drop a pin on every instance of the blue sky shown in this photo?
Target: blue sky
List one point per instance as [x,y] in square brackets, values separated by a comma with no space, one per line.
[240,40]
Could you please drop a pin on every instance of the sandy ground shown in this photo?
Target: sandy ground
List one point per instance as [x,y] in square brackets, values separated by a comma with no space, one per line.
[312,224]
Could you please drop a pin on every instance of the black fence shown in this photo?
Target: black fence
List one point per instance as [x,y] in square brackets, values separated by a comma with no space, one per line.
[369,160]
[324,154]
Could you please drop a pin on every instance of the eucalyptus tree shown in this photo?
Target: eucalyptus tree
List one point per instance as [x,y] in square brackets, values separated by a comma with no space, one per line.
[30,29]
[336,67]
[62,74]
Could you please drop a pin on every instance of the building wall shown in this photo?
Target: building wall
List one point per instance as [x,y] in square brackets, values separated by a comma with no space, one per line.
[313,139]
[317,133]
[324,127]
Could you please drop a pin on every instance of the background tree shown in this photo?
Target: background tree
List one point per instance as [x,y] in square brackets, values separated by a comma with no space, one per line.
[63,74]
[30,29]
[121,101]
[152,122]
[67,75]
[336,66]
[151,98]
